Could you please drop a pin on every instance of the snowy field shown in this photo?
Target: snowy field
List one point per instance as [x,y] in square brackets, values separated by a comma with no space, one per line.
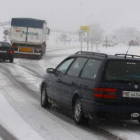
[21,113]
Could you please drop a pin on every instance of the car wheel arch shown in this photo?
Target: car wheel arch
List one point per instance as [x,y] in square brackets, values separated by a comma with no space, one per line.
[43,84]
[75,96]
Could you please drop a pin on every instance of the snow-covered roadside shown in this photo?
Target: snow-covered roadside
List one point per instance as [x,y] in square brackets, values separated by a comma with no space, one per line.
[13,122]
[47,125]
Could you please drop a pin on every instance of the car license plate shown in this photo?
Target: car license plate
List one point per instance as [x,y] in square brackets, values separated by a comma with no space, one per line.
[3,51]
[131,94]
[25,49]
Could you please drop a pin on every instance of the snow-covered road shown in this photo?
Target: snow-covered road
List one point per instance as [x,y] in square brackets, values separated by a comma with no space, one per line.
[22,116]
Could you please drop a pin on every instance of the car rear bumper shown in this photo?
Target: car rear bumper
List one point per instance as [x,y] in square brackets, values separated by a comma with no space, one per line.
[27,53]
[96,109]
[6,56]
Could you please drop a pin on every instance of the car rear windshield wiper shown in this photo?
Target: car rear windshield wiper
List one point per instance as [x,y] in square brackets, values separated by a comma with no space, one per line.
[124,81]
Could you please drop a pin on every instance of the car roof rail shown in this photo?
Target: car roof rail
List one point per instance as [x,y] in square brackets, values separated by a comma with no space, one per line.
[92,53]
[128,55]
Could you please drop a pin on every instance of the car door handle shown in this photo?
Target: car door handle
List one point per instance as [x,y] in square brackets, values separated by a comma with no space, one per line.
[58,80]
[73,84]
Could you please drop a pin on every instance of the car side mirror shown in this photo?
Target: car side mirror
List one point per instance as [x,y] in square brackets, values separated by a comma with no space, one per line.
[50,70]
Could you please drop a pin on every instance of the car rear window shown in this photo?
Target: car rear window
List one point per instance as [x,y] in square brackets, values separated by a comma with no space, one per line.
[123,71]
[4,44]
[91,69]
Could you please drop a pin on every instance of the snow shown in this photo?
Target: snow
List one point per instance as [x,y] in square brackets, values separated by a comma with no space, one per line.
[8,117]
[23,116]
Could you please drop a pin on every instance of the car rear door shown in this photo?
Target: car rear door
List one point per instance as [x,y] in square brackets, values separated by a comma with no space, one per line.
[88,77]
[69,81]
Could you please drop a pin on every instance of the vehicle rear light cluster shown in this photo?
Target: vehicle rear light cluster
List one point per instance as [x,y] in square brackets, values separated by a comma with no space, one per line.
[107,93]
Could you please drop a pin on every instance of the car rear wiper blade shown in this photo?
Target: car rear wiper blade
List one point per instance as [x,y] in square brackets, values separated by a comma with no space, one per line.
[123,81]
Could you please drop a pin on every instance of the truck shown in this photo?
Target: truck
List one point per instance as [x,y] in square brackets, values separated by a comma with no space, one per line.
[28,36]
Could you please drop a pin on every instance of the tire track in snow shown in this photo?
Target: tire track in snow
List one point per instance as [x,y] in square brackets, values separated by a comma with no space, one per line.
[29,71]
[22,85]
[5,134]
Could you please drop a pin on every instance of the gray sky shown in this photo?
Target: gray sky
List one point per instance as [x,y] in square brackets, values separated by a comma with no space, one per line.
[70,14]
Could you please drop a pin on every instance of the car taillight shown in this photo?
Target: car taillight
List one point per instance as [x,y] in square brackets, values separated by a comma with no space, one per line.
[107,93]
[11,52]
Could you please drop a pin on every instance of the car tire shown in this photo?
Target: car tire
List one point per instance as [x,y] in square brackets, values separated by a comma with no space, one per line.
[79,117]
[44,98]
[11,60]
[40,56]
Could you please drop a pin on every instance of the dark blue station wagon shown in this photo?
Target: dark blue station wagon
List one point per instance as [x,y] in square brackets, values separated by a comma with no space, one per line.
[95,85]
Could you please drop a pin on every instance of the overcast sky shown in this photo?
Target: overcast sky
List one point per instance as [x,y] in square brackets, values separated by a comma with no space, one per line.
[70,14]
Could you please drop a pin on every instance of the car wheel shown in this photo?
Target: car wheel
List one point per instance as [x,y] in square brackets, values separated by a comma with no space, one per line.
[11,60]
[79,117]
[40,56]
[44,98]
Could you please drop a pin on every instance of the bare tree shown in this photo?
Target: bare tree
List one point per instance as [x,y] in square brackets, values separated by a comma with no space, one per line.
[63,37]
[95,34]
[124,35]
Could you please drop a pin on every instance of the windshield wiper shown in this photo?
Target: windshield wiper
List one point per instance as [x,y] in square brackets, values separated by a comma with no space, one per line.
[123,81]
